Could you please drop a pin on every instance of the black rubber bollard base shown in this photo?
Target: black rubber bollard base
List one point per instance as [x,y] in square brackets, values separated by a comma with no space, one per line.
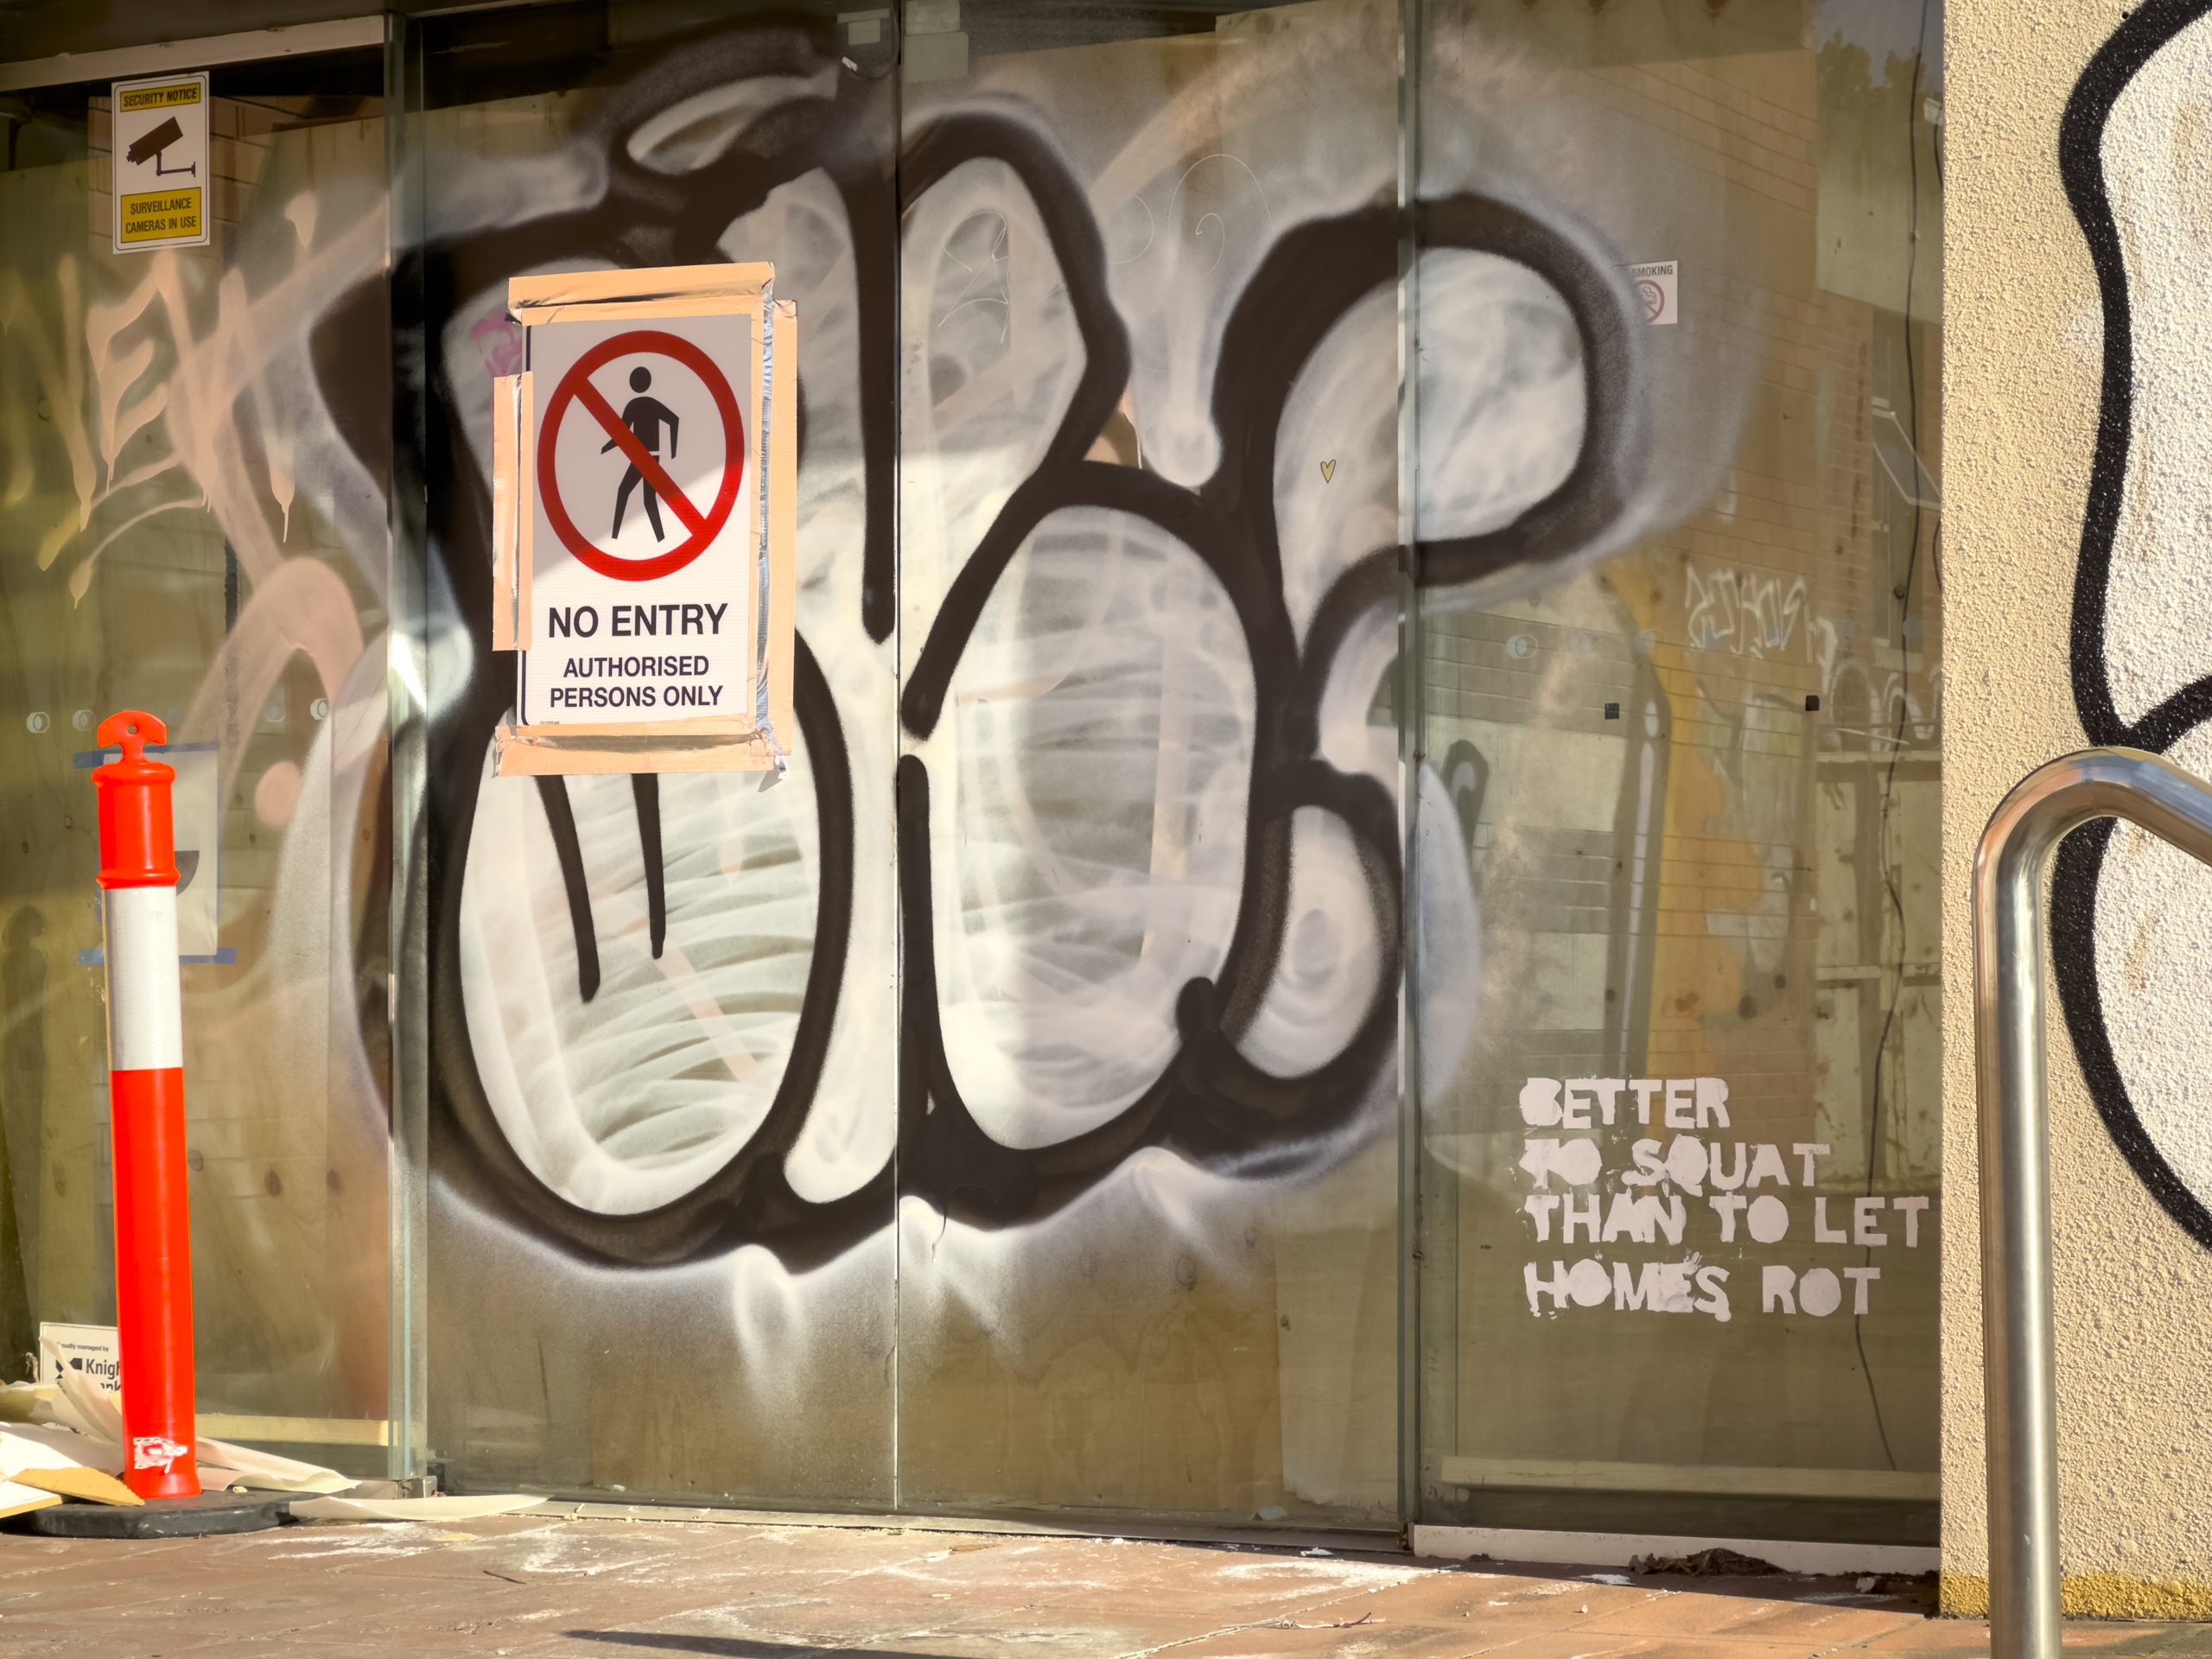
[162,1518]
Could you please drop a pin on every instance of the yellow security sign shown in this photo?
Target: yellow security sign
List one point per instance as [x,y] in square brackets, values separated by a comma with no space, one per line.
[160,152]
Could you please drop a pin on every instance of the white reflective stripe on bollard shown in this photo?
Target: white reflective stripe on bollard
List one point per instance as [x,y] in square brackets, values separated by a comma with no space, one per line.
[145,1021]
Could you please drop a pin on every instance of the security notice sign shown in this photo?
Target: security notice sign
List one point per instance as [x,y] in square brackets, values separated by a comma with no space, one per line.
[160,160]
[636,508]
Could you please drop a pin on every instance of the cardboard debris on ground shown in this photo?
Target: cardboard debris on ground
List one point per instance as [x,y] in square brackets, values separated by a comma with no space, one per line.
[16,1498]
[81,1424]
[19,1400]
[28,1446]
[85,1406]
[88,1484]
[264,1471]
[409,1509]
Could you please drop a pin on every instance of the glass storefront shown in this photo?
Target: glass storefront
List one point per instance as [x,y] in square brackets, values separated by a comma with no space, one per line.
[198,447]
[1351,935]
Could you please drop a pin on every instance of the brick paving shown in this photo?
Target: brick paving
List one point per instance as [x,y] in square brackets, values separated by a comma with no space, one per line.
[598,1589]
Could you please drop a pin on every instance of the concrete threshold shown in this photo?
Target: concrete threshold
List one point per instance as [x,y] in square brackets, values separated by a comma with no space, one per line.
[1500,1546]
[1299,1541]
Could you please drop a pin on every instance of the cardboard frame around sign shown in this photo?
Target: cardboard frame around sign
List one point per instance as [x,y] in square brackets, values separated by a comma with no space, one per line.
[620,296]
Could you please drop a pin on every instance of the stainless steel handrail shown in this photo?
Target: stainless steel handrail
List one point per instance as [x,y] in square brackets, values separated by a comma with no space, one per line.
[2018,1373]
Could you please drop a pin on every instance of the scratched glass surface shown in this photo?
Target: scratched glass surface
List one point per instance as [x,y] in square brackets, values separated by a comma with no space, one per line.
[194,449]
[1688,823]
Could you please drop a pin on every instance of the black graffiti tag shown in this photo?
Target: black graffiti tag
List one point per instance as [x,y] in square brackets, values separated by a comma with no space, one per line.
[2080,857]
[1208,1104]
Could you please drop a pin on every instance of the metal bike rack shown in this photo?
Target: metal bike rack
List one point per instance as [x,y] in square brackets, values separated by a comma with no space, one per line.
[2019,1375]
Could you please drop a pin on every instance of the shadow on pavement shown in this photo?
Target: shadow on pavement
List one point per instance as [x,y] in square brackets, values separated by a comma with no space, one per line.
[738,1647]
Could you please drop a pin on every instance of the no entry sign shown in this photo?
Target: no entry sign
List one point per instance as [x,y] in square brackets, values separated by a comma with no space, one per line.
[643,592]
[645,480]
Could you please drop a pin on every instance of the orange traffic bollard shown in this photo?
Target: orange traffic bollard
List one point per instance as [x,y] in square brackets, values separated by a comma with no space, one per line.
[153,1234]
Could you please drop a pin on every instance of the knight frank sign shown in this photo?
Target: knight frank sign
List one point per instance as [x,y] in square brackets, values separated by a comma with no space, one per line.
[642,483]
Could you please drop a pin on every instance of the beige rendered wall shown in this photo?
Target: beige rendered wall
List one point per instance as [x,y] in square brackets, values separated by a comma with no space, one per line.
[2023,374]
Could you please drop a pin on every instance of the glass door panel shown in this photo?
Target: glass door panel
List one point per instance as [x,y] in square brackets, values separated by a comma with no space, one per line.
[1148,589]
[660,1222]
[1679,1183]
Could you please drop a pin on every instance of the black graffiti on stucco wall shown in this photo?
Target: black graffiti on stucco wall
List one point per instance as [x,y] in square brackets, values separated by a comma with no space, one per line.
[2080,857]
[1210,1104]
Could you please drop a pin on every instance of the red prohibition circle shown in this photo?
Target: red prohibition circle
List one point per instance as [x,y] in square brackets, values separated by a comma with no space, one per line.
[656,342]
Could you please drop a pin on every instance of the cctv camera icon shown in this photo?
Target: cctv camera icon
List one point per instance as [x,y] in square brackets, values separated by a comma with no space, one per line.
[152,145]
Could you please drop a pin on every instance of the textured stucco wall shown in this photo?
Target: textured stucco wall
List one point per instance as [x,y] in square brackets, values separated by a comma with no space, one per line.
[2023,357]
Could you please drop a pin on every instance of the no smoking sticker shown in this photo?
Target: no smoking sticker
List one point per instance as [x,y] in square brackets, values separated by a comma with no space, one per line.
[643,589]
[1657,292]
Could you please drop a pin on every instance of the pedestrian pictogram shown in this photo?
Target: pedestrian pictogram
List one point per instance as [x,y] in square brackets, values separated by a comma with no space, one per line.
[644,417]
[643,481]
[570,482]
